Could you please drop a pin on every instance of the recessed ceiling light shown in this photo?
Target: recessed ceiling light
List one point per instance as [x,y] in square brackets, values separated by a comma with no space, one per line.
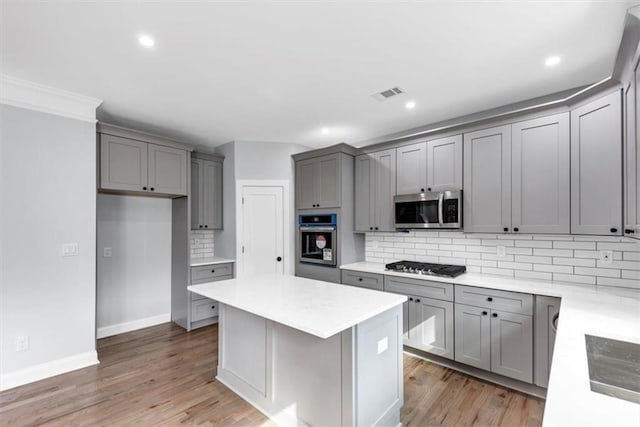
[146,41]
[325,130]
[552,61]
[410,105]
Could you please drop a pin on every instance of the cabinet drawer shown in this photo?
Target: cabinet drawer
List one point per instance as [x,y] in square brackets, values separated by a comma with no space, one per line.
[419,287]
[512,302]
[211,273]
[363,280]
[203,309]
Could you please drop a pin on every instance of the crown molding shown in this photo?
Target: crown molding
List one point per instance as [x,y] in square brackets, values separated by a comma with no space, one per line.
[47,99]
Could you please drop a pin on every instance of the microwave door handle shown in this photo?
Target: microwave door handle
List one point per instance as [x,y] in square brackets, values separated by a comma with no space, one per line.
[440,209]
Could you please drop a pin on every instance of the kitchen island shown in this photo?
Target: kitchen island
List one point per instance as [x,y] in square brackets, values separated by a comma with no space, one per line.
[307,352]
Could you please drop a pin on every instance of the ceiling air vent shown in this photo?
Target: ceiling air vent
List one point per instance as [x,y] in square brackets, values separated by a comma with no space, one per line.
[389,93]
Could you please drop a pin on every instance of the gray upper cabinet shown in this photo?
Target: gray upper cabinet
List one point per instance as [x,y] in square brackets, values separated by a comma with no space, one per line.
[632,159]
[487,180]
[512,345]
[206,194]
[167,170]
[137,166]
[596,174]
[375,185]
[318,182]
[444,163]
[123,164]
[540,171]
[411,162]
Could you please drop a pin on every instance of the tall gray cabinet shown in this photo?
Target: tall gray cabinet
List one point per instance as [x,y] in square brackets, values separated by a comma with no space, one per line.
[375,183]
[206,191]
[318,182]
[631,115]
[596,167]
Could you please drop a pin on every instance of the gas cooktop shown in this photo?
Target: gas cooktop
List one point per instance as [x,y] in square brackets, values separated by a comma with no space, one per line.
[444,270]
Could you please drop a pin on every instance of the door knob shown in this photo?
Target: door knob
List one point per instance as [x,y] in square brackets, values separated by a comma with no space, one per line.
[279,259]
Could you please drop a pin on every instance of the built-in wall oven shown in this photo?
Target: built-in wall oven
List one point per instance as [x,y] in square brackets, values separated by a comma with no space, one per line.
[317,238]
[438,209]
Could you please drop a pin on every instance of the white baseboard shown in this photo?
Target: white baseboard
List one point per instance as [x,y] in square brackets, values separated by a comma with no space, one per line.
[120,328]
[48,369]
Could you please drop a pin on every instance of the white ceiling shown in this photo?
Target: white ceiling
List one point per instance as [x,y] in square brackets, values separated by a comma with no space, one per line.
[280,71]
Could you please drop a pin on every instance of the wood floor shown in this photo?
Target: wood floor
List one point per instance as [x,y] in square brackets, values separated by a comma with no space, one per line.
[165,376]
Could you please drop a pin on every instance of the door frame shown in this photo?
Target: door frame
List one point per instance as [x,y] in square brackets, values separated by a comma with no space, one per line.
[287,215]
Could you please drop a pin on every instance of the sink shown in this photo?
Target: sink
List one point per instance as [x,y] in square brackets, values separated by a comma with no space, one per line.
[614,367]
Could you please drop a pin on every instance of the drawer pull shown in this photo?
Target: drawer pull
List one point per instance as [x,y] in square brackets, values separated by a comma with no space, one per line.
[417,299]
[213,271]
[489,299]
[484,313]
[495,314]
[410,299]
[359,279]
[213,307]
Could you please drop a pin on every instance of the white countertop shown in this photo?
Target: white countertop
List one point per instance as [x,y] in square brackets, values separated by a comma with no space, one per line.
[210,261]
[607,312]
[318,308]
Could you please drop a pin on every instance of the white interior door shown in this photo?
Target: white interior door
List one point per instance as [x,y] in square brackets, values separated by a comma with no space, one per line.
[262,227]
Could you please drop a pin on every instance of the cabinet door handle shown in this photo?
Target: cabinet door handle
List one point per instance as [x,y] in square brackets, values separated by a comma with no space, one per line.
[484,313]
[376,228]
[554,322]
[417,299]
[151,189]
[370,228]
[506,229]
[410,299]
[359,279]
[279,259]
[213,307]
[200,226]
[206,226]
[613,230]
[489,299]
[515,229]
[629,231]
[213,271]
[422,190]
[429,189]
[495,314]
[144,188]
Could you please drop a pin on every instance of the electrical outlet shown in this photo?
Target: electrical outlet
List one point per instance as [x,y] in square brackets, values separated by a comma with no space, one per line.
[22,343]
[383,345]
[70,249]
[107,252]
[501,251]
[606,257]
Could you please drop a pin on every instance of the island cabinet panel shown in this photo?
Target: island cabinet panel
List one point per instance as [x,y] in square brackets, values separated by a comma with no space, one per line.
[411,166]
[206,194]
[512,345]
[444,164]
[540,175]
[546,319]
[473,336]
[123,164]
[487,180]
[596,169]
[318,182]
[363,280]
[167,170]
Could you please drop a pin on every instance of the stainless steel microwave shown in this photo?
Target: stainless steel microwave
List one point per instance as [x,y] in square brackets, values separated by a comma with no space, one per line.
[437,209]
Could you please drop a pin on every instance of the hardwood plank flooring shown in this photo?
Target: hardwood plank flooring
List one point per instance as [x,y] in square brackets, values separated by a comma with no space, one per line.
[165,376]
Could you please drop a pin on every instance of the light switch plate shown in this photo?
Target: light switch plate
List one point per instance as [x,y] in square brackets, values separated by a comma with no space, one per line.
[70,249]
[22,343]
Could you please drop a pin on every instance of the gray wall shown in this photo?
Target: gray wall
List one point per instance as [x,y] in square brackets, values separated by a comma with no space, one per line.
[135,282]
[47,198]
[253,160]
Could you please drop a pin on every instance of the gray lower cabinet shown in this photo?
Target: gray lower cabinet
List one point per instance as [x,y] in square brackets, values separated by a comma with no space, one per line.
[596,169]
[546,321]
[206,193]
[204,311]
[428,321]
[318,182]
[363,280]
[487,180]
[375,187]
[494,331]
[136,166]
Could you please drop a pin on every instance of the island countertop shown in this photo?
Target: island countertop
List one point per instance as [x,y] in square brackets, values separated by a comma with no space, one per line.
[318,308]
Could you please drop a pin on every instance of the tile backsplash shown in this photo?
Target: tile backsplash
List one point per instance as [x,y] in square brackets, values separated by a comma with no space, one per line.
[575,259]
[201,244]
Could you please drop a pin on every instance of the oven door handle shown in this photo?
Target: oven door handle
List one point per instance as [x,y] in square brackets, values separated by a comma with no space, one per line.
[304,228]
[440,208]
